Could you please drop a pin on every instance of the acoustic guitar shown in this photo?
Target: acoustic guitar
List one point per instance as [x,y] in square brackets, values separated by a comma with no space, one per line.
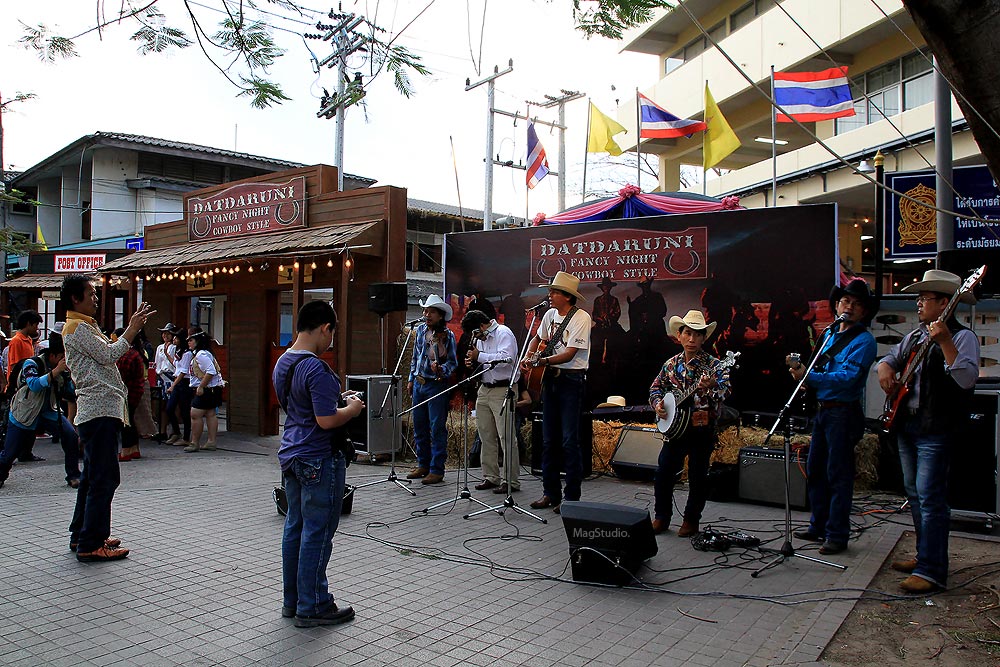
[533,376]
[678,418]
[919,353]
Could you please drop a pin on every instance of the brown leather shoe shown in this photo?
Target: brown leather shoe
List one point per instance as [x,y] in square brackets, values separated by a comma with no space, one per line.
[110,543]
[660,526]
[688,528]
[102,554]
[908,565]
[915,584]
[432,478]
[502,490]
[417,473]
[829,548]
[543,503]
[486,485]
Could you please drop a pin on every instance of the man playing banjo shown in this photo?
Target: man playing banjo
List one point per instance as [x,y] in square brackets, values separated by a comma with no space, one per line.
[691,368]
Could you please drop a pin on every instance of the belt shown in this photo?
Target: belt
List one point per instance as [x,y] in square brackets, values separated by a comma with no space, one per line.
[825,405]
[493,385]
[422,380]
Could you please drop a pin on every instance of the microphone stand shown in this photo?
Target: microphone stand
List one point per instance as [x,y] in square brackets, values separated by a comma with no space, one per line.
[787,550]
[465,493]
[510,437]
[393,389]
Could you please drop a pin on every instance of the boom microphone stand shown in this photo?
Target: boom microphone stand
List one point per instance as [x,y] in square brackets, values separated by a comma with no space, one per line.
[465,493]
[787,550]
[393,390]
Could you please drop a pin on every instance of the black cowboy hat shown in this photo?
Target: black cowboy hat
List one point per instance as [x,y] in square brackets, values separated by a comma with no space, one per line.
[859,289]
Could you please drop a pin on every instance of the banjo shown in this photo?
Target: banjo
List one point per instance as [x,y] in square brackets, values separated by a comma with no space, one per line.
[678,418]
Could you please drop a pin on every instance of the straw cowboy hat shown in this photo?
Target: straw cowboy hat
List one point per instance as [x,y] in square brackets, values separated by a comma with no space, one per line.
[566,282]
[942,282]
[859,289]
[613,402]
[694,319]
[434,301]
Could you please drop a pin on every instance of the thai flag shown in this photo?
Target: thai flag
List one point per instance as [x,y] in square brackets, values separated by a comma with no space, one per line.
[655,122]
[812,96]
[538,166]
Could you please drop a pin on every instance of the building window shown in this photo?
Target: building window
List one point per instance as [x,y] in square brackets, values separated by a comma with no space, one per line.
[85,232]
[738,19]
[905,83]
[423,257]
[47,311]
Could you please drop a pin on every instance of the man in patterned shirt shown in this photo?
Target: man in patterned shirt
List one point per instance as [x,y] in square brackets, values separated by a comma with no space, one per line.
[101,412]
[693,366]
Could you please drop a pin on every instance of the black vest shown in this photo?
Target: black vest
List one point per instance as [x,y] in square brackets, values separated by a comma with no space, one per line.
[944,405]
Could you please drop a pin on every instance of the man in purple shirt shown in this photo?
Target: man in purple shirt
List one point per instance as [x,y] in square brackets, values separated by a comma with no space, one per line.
[312,465]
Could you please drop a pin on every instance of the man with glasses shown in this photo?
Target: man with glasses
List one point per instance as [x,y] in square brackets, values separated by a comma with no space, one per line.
[929,416]
[838,378]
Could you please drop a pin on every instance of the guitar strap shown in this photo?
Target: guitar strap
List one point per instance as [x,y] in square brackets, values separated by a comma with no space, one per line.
[556,338]
[832,351]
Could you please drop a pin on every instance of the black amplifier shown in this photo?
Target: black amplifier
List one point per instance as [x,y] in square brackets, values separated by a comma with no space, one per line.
[762,476]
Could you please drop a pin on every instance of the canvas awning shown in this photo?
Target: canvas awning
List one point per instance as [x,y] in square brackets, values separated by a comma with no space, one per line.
[300,243]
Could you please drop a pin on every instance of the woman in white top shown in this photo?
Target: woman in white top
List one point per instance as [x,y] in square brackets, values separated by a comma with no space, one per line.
[179,393]
[206,383]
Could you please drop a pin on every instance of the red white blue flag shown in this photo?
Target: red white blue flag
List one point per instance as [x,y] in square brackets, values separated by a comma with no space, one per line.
[811,96]
[655,122]
[538,165]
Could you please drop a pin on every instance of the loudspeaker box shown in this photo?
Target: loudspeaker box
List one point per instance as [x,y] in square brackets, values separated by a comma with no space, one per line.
[762,476]
[384,298]
[607,543]
[637,452]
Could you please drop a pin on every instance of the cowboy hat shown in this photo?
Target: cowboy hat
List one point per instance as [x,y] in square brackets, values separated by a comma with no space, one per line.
[694,319]
[170,326]
[859,289]
[434,301]
[613,402]
[566,282]
[942,282]
[607,282]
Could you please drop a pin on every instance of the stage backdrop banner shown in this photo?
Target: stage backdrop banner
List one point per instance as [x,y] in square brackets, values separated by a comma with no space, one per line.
[763,274]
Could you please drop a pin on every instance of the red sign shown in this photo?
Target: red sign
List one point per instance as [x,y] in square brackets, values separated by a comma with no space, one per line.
[80,263]
[623,254]
[247,209]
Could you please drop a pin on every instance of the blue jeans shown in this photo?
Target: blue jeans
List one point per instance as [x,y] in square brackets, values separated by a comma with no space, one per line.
[21,439]
[91,523]
[925,460]
[179,403]
[315,491]
[562,405]
[830,470]
[697,445]
[430,433]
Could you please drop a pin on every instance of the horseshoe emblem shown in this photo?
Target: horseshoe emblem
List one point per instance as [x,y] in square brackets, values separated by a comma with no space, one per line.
[295,212]
[695,263]
[196,227]
[540,268]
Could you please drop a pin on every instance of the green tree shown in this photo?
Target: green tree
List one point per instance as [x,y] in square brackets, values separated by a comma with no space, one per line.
[241,46]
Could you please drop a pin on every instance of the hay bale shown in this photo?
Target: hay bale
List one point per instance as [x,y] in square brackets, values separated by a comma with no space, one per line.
[606,435]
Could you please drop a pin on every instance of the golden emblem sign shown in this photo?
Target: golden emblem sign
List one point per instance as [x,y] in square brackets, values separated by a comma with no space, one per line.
[918,221]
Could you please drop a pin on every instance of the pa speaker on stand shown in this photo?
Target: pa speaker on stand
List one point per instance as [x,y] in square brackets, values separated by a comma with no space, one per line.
[385,298]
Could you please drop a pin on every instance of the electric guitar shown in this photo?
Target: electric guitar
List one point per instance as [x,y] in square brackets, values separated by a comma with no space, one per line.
[919,353]
[679,418]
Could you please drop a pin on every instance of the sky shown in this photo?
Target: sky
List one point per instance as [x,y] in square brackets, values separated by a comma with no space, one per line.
[398,141]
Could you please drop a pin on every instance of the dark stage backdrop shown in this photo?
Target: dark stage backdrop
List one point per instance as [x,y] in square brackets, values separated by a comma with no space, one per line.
[763,274]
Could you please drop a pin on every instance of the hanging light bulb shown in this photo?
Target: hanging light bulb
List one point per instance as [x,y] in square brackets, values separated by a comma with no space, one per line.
[281,267]
[348,263]
[197,274]
[137,278]
[295,265]
[313,265]
[157,278]
[237,268]
[250,269]
[329,262]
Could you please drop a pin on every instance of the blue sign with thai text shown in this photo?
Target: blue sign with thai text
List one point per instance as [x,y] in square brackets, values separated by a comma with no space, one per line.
[138,243]
[911,228]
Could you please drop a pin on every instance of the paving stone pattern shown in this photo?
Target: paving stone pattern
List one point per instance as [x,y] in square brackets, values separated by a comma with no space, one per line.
[202,585]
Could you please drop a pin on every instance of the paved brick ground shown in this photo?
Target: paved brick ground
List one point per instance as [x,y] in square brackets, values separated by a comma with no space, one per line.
[202,586]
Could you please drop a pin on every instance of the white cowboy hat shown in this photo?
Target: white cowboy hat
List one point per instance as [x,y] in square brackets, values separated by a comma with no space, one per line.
[434,301]
[694,319]
[566,282]
[942,282]
[613,402]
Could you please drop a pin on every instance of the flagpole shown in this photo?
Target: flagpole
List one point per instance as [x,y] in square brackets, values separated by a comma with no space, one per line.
[586,149]
[774,147]
[638,140]
[704,145]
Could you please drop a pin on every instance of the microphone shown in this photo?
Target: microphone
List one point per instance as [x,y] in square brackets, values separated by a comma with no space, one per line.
[413,323]
[497,362]
[840,320]
[543,302]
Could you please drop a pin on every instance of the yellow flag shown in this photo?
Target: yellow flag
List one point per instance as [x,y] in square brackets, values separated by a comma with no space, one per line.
[39,238]
[720,140]
[602,129]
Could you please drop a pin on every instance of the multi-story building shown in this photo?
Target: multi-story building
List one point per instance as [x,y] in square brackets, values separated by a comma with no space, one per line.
[887,60]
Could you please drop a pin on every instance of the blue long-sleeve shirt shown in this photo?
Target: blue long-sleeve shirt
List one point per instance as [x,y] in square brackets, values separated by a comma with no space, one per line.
[843,378]
[37,380]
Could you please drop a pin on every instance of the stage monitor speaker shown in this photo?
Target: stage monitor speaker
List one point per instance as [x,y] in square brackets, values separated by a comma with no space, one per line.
[762,477]
[637,452]
[964,261]
[607,543]
[371,430]
[586,444]
[972,485]
[386,298]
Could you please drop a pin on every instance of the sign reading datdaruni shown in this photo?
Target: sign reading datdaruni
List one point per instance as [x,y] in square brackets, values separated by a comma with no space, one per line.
[247,209]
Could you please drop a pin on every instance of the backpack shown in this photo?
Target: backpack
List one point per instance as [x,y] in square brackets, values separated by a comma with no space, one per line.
[14,379]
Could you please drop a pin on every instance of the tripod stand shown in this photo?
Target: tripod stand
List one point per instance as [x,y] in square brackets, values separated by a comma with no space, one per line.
[465,493]
[787,550]
[393,390]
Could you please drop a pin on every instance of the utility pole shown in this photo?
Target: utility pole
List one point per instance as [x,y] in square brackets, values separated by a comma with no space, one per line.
[345,42]
[560,101]
[490,96]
